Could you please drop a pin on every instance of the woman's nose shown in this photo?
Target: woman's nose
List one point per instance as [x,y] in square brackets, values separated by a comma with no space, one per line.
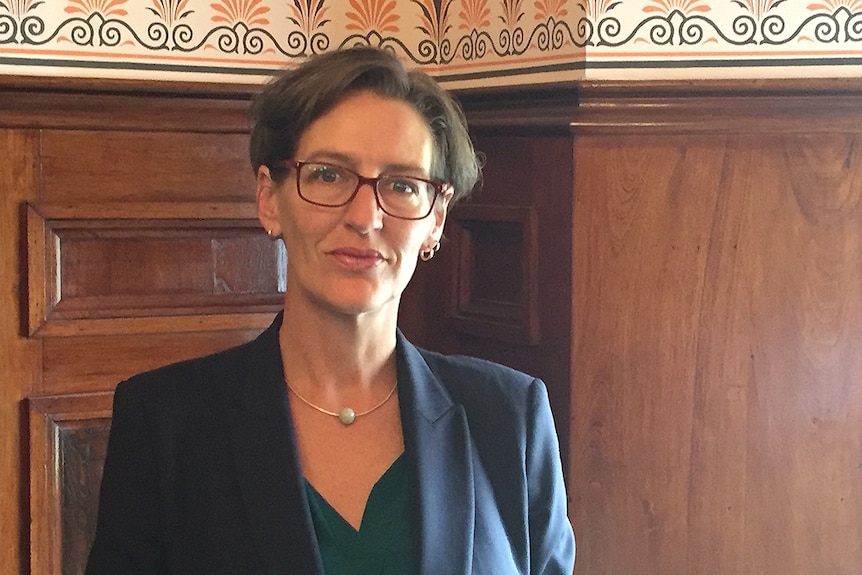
[363,212]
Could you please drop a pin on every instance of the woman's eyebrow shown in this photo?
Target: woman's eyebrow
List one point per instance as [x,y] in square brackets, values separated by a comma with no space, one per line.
[405,169]
[349,161]
[330,156]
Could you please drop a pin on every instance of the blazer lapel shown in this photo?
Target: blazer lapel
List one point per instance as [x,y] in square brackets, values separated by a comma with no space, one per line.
[437,441]
[267,461]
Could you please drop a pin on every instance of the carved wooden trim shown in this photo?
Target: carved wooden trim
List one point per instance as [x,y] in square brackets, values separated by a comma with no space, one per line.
[50,315]
[712,106]
[514,320]
[546,110]
[549,109]
[48,418]
[120,105]
[725,107]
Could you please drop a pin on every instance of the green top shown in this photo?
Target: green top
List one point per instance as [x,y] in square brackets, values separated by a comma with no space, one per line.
[383,544]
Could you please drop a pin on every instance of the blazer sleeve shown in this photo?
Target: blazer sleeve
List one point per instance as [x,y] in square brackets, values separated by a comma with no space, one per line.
[128,527]
[552,542]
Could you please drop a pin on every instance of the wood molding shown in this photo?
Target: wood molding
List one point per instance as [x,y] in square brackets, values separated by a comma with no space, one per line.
[23,83]
[719,107]
[711,106]
[546,110]
[122,105]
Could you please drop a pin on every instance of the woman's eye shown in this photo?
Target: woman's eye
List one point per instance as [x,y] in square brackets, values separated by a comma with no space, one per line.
[404,186]
[326,174]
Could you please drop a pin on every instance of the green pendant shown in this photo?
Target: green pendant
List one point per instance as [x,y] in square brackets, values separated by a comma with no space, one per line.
[346,416]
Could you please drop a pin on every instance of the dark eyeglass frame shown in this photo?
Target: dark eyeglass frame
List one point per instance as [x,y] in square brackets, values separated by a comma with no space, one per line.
[296,165]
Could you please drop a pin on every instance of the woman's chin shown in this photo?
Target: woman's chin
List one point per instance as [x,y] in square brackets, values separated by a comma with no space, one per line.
[362,306]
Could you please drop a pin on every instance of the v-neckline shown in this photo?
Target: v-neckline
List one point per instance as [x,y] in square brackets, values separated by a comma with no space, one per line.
[378,497]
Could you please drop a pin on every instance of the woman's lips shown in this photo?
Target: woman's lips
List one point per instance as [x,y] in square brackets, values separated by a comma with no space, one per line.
[357,259]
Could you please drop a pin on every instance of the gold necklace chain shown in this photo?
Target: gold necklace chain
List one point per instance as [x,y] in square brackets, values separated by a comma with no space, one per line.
[346,416]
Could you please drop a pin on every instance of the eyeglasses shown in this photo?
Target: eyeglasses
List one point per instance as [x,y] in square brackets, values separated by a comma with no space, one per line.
[333,186]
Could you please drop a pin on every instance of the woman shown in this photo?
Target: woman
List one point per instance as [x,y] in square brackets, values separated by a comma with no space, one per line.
[330,444]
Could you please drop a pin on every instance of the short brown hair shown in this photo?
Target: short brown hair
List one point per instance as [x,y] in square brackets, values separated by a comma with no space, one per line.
[289,103]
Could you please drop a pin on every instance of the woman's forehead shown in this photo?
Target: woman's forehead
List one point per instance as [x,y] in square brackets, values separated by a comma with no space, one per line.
[365,127]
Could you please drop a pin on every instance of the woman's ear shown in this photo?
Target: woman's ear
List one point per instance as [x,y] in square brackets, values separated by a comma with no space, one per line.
[267,202]
[441,209]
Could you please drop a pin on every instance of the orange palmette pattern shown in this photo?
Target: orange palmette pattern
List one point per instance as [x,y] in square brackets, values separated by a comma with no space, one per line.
[460,41]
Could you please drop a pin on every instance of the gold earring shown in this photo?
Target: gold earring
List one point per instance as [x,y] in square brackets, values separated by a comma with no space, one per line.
[428,253]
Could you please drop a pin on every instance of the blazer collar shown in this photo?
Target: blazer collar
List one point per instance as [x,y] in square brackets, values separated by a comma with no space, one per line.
[267,460]
[437,442]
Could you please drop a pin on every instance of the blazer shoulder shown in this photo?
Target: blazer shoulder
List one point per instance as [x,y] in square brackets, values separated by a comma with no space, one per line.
[474,367]
[188,369]
[471,380]
[204,376]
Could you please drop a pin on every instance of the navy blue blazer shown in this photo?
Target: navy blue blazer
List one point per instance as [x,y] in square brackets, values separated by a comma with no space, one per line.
[202,472]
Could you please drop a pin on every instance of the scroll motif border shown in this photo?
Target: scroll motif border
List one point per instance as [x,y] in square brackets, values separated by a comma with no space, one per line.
[466,42]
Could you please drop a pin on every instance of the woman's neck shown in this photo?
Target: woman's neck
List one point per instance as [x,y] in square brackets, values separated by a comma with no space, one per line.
[329,352]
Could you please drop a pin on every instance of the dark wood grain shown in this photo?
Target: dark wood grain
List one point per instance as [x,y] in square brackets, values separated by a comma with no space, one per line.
[526,199]
[82,448]
[69,439]
[156,260]
[94,166]
[20,357]
[494,291]
[716,337]
[140,247]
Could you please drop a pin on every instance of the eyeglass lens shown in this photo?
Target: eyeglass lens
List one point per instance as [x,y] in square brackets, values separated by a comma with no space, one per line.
[332,185]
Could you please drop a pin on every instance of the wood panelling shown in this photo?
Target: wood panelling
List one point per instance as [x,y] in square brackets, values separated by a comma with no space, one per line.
[116,105]
[121,261]
[95,363]
[520,219]
[141,227]
[92,166]
[717,329]
[129,233]
[68,442]
[494,292]
[684,272]
[712,108]
[20,357]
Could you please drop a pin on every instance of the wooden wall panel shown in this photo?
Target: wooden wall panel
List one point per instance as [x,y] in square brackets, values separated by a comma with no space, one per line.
[91,166]
[69,439]
[95,262]
[717,329]
[501,281]
[139,232]
[20,357]
[694,310]
[97,362]
[495,289]
[131,239]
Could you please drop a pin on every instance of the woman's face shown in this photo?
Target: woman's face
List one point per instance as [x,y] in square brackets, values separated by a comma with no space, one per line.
[354,259]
